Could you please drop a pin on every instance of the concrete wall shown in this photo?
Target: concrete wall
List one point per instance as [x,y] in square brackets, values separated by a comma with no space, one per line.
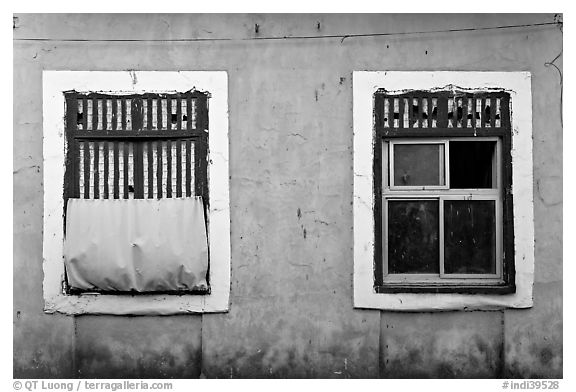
[291,311]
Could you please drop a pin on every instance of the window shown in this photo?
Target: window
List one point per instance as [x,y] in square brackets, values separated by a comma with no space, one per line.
[136,146]
[438,162]
[146,140]
[440,192]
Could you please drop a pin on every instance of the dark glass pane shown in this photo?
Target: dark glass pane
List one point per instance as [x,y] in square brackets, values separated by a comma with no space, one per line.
[413,237]
[418,164]
[469,237]
[471,164]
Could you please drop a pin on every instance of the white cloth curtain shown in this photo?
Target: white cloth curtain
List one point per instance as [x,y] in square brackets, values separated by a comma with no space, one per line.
[142,245]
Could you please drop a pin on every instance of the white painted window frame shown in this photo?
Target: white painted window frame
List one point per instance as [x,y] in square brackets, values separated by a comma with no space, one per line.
[54,84]
[518,84]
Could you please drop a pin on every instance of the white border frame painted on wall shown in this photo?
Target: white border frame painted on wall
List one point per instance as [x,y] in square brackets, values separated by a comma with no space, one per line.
[54,84]
[518,84]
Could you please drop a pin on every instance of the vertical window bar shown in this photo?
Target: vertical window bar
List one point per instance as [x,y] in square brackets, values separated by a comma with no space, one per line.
[173,171]
[121,172]
[150,165]
[188,168]
[80,112]
[193,113]
[92,170]
[425,114]
[184,113]
[179,114]
[386,113]
[86,166]
[414,120]
[154,114]
[104,105]
[145,114]
[96,169]
[114,118]
[434,110]
[497,122]
[492,112]
[168,114]
[464,112]
[94,114]
[478,113]
[145,172]
[483,113]
[169,168]
[123,108]
[165,123]
[128,114]
[81,169]
[450,114]
[178,168]
[159,168]
[116,172]
[174,114]
[401,112]
[126,170]
[396,109]
[100,121]
[85,121]
[159,113]
[148,113]
[106,170]
[154,153]
[419,102]
[165,177]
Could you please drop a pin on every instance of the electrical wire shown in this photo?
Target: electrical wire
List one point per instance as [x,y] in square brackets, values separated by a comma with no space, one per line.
[300,37]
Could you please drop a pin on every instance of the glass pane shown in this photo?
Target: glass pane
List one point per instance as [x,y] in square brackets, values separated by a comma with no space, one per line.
[418,164]
[471,164]
[413,237]
[469,237]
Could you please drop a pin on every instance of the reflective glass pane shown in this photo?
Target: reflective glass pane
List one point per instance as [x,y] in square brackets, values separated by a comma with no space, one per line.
[471,164]
[469,237]
[418,164]
[413,237]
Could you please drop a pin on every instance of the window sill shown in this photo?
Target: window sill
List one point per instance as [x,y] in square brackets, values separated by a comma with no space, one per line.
[396,288]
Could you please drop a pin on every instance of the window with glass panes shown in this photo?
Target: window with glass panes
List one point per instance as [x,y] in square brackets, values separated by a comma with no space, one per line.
[442,180]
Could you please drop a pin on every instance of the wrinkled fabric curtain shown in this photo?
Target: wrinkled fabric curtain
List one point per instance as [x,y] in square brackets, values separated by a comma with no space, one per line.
[142,245]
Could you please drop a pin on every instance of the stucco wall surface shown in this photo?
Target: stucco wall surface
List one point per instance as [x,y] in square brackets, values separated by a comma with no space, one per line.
[290,115]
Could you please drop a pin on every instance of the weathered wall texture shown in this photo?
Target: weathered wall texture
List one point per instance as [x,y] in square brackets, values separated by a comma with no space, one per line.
[290,106]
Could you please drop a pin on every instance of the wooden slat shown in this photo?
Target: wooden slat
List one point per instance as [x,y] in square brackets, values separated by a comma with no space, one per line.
[188,168]
[116,172]
[114,114]
[96,170]
[178,114]
[150,171]
[159,113]
[464,112]
[123,111]
[400,112]
[178,168]
[86,170]
[159,169]
[125,169]
[148,113]
[85,117]
[169,167]
[420,111]
[483,113]
[104,113]
[492,112]
[94,114]
[168,113]
[188,112]
[106,174]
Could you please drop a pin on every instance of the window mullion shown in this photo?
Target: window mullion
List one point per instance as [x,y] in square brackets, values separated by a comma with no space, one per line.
[441,234]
